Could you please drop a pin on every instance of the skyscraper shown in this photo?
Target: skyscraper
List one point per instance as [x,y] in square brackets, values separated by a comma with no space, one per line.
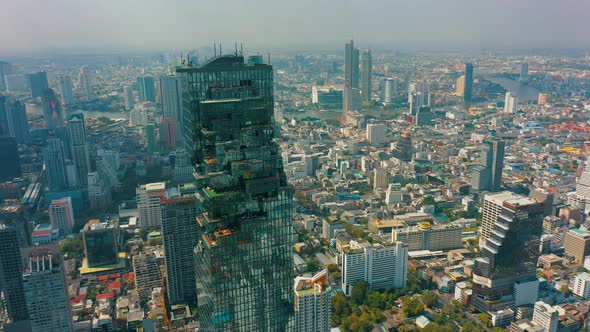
[488,175]
[312,303]
[244,263]
[171,95]
[509,242]
[79,147]
[85,83]
[418,95]
[61,215]
[146,87]
[468,90]
[389,87]
[150,137]
[55,169]
[66,90]
[524,71]
[128,97]
[366,75]
[180,236]
[460,86]
[38,83]
[9,159]
[52,110]
[11,269]
[5,69]
[351,76]
[13,120]
[510,103]
[45,289]
[148,204]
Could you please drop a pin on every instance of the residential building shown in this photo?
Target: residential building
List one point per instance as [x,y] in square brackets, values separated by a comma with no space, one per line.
[351,77]
[85,83]
[581,286]
[147,89]
[148,275]
[61,215]
[79,147]
[129,98]
[148,204]
[468,85]
[546,316]
[376,133]
[577,244]
[425,236]
[510,103]
[329,228]
[389,89]
[55,167]
[312,303]
[366,75]
[460,86]
[66,90]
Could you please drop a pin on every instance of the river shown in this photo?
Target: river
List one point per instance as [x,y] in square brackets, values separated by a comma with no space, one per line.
[38,109]
[522,91]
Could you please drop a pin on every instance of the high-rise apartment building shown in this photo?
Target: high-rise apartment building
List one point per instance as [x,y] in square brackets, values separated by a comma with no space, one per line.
[148,204]
[418,96]
[388,90]
[5,70]
[55,168]
[66,89]
[510,103]
[524,71]
[45,289]
[99,191]
[381,265]
[79,147]
[171,96]
[150,137]
[460,86]
[366,75]
[312,303]
[146,267]
[180,236]
[376,133]
[488,175]
[351,77]
[147,88]
[244,262]
[468,86]
[128,98]
[425,236]
[577,244]
[546,316]
[423,116]
[509,242]
[543,99]
[11,269]
[61,215]
[581,285]
[38,83]
[85,83]
[53,112]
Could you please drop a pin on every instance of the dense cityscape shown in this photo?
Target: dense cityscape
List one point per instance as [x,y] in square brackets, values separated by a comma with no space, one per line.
[365,188]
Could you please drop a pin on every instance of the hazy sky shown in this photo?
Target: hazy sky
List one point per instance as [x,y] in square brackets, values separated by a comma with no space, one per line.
[294,24]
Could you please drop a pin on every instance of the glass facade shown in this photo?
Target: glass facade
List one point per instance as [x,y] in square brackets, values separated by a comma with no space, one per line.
[244,269]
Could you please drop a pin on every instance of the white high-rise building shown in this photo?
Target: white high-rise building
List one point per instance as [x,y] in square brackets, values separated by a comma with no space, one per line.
[61,215]
[129,98]
[546,316]
[393,195]
[376,133]
[389,87]
[148,204]
[312,303]
[510,103]
[98,193]
[138,117]
[582,285]
[66,90]
[380,265]
[492,207]
[84,83]
[380,178]
[581,197]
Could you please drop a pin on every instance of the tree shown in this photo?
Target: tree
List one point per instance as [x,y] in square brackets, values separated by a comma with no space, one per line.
[565,291]
[359,292]
[333,268]
[376,300]
[412,306]
[485,319]
[429,298]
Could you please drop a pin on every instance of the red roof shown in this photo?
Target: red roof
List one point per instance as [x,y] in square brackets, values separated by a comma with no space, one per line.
[115,285]
[108,296]
[42,232]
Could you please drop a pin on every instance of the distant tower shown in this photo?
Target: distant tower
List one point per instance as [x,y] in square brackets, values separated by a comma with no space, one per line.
[389,86]
[468,90]
[13,120]
[65,88]
[351,76]
[52,109]
[418,95]
[488,176]
[171,96]
[129,99]
[366,75]
[38,83]
[148,204]
[79,147]
[55,169]
[85,84]
[146,87]
[460,86]
[61,215]
[11,272]
[510,103]
[5,70]
[524,71]
[45,288]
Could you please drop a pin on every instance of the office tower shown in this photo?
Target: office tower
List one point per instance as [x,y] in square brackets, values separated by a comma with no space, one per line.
[425,236]
[546,195]
[63,134]
[138,116]
[15,83]
[45,289]
[468,90]
[403,149]
[5,70]
[418,96]
[146,87]
[100,243]
[577,244]
[10,162]
[488,175]
[168,132]
[66,90]
[18,124]
[55,170]
[79,147]
[423,117]
[150,136]
[351,76]
[128,97]
[326,97]
[366,75]
[582,285]
[53,112]
[381,178]
[393,195]
[380,265]
[38,83]
[85,83]
[11,285]
[509,250]
[543,98]
[171,96]
[99,191]
[524,71]
[389,86]
[148,204]
[61,215]
[180,236]
[312,303]
[510,103]
[546,316]
[244,262]
[376,133]
[460,86]
[146,267]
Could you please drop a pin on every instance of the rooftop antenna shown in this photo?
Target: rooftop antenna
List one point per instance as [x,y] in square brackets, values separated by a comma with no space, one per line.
[214,50]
